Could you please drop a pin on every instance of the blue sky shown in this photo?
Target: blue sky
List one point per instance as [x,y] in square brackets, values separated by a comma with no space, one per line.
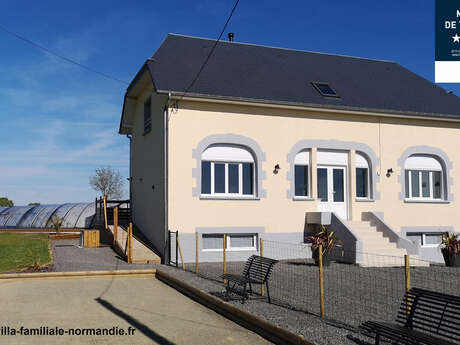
[59,122]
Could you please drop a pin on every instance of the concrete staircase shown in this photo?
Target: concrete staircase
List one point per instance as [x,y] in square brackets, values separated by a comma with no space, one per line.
[377,250]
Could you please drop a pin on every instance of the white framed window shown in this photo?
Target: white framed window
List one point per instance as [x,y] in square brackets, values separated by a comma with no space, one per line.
[235,242]
[228,171]
[423,178]
[302,174]
[363,185]
[426,239]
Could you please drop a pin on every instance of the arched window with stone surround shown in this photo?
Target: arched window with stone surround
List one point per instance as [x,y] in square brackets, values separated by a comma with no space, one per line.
[363,179]
[302,174]
[228,170]
[424,178]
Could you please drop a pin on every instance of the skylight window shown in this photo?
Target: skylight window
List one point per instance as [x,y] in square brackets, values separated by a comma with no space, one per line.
[325,90]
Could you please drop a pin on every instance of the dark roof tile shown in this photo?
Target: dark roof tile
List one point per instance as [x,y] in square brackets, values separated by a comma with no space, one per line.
[251,72]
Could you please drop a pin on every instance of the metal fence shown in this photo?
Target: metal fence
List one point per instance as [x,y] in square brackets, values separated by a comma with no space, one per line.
[372,290]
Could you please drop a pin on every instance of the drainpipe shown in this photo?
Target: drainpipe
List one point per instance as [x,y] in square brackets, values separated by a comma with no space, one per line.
[166,251]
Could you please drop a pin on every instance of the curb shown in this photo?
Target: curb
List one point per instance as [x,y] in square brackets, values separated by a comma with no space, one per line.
[77,274]
[37,231]
[254,323]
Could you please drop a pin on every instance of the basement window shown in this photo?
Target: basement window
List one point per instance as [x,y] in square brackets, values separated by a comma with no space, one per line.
[427,239]
[325,89]
[235,242]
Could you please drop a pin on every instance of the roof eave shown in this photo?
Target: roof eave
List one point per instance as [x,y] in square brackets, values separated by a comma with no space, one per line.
[176,95]
[126,129]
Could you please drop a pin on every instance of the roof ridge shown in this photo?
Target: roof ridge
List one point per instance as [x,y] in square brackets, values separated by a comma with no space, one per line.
[280,48]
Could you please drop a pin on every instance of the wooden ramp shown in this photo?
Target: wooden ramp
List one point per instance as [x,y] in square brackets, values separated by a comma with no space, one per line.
[141,253]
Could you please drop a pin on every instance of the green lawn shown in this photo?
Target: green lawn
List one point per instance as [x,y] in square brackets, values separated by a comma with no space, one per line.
[18,251]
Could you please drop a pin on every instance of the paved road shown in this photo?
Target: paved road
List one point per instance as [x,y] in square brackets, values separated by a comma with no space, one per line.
[158,313]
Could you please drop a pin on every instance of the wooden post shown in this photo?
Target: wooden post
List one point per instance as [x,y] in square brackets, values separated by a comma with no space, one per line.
[180,252]
[262,287]
[130,243]
[115,225]
[105,211]
[407,267]
[321,281]
[196,252]
[407,273]
[225,256]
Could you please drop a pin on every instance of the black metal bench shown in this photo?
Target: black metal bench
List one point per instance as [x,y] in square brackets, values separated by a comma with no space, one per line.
[256,271]
[425,317]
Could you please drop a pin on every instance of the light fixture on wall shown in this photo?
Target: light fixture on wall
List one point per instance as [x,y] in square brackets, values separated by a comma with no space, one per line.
[389,172]
[275,170]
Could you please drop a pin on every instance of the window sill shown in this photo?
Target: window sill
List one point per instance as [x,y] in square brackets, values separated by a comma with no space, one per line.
[428,201]
[228,197]
[364,200]
[231,250]
[302,198]
[147,132]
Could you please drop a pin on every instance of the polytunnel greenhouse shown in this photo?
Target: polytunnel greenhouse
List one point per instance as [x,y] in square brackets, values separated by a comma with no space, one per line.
[75,216]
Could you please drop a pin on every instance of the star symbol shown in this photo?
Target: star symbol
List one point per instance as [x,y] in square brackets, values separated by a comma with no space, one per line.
[456,38]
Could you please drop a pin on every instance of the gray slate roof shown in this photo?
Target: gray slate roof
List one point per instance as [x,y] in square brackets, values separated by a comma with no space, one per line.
[275,75]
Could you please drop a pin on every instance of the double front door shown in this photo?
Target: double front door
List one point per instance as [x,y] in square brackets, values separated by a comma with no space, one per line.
[332,190]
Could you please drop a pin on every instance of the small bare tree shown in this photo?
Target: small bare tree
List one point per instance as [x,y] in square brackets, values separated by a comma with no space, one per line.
[108,182]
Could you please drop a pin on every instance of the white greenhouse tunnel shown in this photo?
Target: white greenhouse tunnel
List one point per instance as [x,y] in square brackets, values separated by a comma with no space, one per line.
[75,215]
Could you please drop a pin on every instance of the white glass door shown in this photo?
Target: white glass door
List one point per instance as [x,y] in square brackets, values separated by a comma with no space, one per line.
[332,190]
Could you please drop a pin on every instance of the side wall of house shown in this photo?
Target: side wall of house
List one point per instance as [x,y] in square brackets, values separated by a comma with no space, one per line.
[148,173]
[275,135]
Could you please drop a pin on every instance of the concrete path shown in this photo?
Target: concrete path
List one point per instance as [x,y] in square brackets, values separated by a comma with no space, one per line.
[68,256]
[157,313]
[141,254]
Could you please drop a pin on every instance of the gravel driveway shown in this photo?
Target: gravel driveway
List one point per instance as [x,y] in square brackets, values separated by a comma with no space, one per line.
[68,256]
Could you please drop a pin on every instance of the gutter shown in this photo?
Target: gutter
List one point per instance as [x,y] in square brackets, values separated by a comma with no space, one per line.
[309,107]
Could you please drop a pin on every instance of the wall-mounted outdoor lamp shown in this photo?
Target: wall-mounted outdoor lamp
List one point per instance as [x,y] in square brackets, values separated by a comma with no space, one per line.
[275,170]
[389,172]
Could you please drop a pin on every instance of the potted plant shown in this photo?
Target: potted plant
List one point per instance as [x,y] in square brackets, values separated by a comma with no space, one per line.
[327,240]
[450,248]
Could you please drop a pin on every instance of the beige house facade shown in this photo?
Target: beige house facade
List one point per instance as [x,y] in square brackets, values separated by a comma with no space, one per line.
[206,165]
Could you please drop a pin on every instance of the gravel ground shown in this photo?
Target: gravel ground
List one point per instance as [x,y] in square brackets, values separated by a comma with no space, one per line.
[69,257]
[310,326]
[353,295]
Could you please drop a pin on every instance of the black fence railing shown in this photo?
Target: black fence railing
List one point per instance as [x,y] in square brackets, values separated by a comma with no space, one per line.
[351,293]
[124,211]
